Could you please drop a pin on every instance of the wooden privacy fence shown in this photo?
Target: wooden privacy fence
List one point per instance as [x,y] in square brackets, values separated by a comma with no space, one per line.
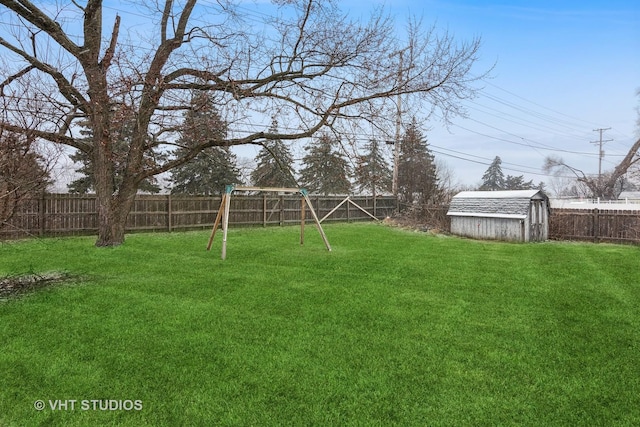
[595,225]
[69,214]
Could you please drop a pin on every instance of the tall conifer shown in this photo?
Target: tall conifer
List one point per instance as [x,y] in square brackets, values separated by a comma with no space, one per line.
[213,168]
[372,174]
[493,178]
[417,173]
[325,169]
[274,164]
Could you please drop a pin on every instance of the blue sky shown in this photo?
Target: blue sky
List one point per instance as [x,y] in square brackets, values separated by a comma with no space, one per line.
[562,69]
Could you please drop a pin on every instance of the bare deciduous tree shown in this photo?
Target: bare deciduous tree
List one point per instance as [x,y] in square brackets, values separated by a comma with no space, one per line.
[309,64]
[23,173]
[24,169]
[608,185]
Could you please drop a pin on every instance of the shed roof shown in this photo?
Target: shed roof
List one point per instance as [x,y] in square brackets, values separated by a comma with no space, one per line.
[493,204]
[508,194]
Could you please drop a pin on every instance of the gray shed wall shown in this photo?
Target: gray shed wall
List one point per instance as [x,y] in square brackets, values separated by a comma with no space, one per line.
[508,229]
[537,222]
[518,216]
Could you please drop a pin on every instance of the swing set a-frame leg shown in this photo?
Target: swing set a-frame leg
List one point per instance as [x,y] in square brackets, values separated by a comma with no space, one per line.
[317,221]
[223,215]
[216,223]
[225,224]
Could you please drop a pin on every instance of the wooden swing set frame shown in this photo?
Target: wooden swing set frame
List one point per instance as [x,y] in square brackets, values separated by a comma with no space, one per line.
[223,213]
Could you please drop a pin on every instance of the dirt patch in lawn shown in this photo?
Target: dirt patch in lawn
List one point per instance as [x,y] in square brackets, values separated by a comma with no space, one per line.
[15,286]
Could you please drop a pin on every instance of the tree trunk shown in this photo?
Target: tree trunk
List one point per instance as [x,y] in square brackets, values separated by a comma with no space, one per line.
[110,230]
[114,203]
[112,219]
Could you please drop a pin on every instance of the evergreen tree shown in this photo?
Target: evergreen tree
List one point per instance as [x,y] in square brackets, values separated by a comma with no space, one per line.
[274,164]
[417,173]
[84,184]
[518,183]
[493,178]
[325,170]
[372,172]
[122,124]
[207,174]
[213,168]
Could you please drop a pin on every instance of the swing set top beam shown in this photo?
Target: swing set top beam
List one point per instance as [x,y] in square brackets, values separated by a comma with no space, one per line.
[223,214]
[231,188]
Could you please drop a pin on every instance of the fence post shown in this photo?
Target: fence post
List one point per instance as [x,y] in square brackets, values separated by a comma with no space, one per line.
[42,206]
[169,213]
[264,210]
[281,210]
[596,225]
[375,206]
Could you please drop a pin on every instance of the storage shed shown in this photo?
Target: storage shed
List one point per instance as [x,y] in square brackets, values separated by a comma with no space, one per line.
[519,215]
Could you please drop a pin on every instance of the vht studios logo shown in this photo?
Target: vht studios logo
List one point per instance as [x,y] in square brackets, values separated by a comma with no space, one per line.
[89,405]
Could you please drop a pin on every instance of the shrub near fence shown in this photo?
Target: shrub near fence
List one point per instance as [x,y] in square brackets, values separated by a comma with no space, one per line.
[69,214]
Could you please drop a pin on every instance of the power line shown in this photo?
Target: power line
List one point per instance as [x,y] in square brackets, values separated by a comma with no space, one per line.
[600,151]
[565,121]
[538,105]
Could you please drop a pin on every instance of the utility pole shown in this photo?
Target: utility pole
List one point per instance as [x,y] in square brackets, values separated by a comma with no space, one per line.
[600,151]
[396,148]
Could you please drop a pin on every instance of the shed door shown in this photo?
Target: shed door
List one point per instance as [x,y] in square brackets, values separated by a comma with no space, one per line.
[536,216]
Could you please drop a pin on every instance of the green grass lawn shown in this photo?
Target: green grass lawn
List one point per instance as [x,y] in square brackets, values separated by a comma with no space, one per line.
[392,327]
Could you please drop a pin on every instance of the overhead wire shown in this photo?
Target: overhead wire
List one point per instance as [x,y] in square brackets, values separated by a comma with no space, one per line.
[509,166]
[549,122]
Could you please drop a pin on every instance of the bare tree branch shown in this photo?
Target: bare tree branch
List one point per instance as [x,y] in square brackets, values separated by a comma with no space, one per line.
[36,16]
[17,75]
[110,52]
[309,63]
[606,186]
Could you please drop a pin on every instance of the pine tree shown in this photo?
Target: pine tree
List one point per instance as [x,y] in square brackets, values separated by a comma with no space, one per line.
[325,170]
[417,173]
[213,168]
[207,174]
[122,123]
[372,172]
[274,164]
[518,183]
[493,178]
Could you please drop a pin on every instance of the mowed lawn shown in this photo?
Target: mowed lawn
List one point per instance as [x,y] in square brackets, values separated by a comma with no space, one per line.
[393,327]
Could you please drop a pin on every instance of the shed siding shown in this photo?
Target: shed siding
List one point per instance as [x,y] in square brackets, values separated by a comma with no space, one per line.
[520,216]
[508,229]
[538,221]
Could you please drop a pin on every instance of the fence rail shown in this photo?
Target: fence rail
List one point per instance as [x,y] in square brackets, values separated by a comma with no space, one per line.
[71,214]
[595,225]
